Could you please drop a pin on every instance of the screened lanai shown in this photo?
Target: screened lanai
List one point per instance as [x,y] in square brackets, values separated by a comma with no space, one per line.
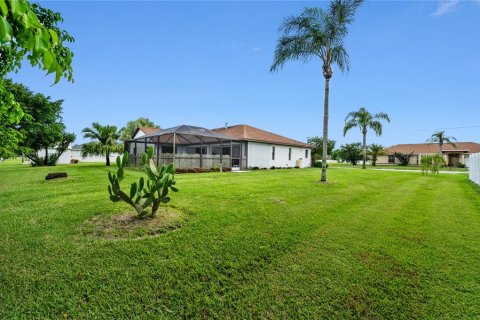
[189,147]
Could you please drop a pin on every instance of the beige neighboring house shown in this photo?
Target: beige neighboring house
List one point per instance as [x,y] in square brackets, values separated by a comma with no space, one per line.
[453,156]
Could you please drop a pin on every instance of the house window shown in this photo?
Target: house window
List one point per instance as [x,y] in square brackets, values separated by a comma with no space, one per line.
[306,154]
[196,150]
[391,158]
[289,153]
[216,150]
[273,153]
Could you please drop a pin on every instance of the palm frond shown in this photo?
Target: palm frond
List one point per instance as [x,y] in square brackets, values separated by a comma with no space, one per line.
[293,48]
[376,126]
[340,57]
[382,116]
[92,148]
[352,123]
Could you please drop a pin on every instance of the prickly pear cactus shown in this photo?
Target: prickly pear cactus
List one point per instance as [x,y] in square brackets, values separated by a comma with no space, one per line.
[144,197]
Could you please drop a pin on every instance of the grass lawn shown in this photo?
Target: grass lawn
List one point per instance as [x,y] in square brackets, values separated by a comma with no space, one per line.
[394,166]
[263,244]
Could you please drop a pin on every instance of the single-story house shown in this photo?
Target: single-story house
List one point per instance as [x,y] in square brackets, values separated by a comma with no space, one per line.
[238,147]
[453,155]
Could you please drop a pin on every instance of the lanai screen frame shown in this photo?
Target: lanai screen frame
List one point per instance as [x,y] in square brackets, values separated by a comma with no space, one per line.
[186,135]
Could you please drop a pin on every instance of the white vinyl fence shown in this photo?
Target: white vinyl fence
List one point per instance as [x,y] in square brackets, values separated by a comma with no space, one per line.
[474,168]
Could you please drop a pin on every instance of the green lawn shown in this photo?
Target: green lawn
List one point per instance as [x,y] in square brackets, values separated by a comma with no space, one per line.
[263,244]
[390,166]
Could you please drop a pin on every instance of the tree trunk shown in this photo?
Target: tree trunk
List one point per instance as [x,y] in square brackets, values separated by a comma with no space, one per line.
[364,148]
[46,156]
[325,129]
[107,159]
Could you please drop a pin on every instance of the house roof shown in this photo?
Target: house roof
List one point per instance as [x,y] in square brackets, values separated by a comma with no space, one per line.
[248,133]
[146,130]
[469,147]
[184,134]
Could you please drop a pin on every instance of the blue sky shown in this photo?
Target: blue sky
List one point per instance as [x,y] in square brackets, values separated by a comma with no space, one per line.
[206,63]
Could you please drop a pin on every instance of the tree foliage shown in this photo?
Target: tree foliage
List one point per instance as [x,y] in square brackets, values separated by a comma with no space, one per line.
[441,138]
[146,198]
[351,152]
[40,128]
[30,32]
[317,150]
[364,120]
[105,141]
[318,33]
[131,126]
[404,158]
[375,150]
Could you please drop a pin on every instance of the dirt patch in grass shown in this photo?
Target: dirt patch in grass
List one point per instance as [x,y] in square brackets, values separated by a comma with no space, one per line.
[128,226]
[277,200]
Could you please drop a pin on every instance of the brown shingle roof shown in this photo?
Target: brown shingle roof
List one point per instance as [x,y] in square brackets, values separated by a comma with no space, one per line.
[470,147]
[248,133]
[148,130]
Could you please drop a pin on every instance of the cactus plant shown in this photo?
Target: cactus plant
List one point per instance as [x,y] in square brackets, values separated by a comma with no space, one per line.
[144,197]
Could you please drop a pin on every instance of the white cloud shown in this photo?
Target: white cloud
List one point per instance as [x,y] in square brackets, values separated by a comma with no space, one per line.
[445,7]
[257,49]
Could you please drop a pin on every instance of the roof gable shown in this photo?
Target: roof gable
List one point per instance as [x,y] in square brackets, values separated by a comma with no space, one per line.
[146,130]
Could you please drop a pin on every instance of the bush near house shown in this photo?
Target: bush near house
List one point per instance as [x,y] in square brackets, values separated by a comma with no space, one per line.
[431,163]
[404,158]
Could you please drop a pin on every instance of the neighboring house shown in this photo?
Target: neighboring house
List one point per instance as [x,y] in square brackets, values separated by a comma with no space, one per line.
[453,156]
[238,147]
[74,154]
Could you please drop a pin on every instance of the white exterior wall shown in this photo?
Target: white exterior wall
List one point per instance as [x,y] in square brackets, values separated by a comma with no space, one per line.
[71,154]
[474,168]
[260,155]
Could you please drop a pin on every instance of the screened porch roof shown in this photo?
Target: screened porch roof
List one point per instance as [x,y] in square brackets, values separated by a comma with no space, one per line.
[184,134]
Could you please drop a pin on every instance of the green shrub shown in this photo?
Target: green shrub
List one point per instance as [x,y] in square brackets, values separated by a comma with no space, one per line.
[461,165]
[351,152]
[144,197]
[38,161]
[431,164]
[404,158]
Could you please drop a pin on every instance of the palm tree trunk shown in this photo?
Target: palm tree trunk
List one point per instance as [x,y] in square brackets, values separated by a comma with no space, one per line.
[46,156]
[364,148]
[325,130]
[107,158]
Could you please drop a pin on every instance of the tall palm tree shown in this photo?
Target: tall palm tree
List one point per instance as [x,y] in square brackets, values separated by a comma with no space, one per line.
[364,120]
[440,138]
[318,33]
[375,150]
[105,141]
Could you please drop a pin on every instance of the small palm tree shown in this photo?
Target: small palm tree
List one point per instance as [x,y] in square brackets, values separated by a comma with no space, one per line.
[376,150]
[440,138]
[106,141]
[364,120]
[318,33]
